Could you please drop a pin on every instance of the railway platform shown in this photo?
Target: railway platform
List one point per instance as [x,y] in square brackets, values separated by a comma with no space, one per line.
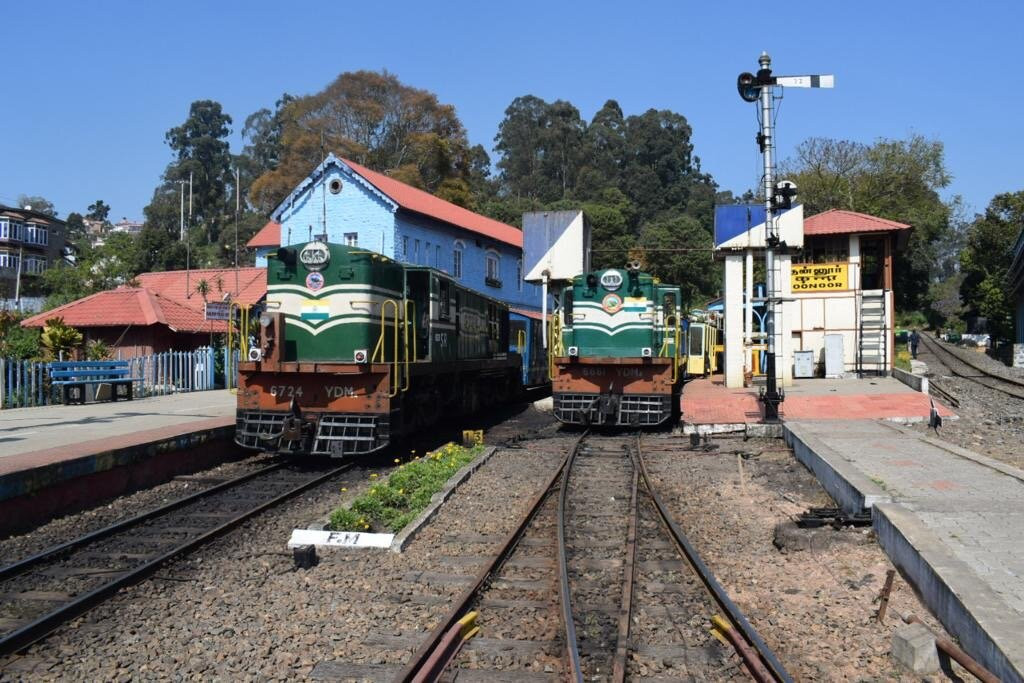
[709,406]
[57,459]
[951,520]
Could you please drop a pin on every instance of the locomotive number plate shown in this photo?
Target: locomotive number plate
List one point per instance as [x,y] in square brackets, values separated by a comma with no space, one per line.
[285,391]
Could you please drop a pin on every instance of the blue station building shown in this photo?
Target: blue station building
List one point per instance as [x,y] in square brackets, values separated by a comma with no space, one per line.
[351,204]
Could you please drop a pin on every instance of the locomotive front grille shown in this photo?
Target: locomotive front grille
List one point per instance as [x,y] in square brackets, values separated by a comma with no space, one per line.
[577,409]
[339,435]
[258,429]
[638,409]
[619,409]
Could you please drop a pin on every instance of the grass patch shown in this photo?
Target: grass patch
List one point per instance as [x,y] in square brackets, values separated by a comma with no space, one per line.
[392,503]
[902,359]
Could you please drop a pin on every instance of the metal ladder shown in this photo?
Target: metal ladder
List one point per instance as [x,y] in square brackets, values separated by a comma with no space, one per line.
[872,338]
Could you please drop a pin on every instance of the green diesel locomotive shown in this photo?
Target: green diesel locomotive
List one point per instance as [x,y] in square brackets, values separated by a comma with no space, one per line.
[356,349]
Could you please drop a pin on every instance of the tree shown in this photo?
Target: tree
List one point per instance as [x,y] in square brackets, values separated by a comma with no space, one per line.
[59,339]
[985,262]
[75,226]
[374,119]
[202,152]
[894,179]
[679,250]
[98,211]
[38,204]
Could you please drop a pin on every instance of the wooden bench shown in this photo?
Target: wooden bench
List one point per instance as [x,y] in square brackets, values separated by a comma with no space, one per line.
[72,376]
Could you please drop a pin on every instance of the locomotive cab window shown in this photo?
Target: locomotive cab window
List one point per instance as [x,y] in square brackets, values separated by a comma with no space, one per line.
[669,304]
[444,303]
[567,306]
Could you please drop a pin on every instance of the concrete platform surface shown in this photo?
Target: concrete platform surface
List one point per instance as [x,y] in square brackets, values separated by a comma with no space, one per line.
[710,402]
[951,520]
[71,431]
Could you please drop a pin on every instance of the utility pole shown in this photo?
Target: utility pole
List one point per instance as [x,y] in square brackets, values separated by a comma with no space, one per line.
[238,204]
[181,235]
[760,88]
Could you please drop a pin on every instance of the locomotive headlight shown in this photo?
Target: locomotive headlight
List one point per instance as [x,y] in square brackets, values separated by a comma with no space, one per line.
[646,352]
[265,319]
[574,351]
[360,356]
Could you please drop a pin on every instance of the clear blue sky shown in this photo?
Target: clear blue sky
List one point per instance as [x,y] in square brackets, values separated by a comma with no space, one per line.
[91,88]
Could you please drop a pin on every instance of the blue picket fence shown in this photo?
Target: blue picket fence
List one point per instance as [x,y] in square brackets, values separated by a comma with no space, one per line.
[26,383]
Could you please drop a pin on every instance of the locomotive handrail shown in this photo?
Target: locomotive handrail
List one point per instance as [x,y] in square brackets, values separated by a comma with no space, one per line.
[395,379]
[410,320]
[555,348]
[520,340]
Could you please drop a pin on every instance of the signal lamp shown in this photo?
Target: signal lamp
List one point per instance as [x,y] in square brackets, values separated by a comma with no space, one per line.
[746,84]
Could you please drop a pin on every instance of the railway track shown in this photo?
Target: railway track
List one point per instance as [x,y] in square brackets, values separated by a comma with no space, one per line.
[973,372]
[42,592]
[605,562]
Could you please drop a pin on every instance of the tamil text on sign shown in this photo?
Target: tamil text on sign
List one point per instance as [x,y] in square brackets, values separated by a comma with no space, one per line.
[820,277]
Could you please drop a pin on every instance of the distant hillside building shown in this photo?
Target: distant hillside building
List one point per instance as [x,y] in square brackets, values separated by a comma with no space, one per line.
[30,243]
[125,225]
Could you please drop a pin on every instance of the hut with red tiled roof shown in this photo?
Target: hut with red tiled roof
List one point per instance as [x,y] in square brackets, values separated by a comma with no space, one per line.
[836,282]
[165,311]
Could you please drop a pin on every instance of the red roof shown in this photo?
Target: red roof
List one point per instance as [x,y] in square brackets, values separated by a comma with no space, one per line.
[169,298]
[411,199]
[837,222]
[129,306]
[180,285]
[268,236]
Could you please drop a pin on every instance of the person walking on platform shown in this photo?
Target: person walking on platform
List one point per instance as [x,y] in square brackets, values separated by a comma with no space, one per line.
[915,339]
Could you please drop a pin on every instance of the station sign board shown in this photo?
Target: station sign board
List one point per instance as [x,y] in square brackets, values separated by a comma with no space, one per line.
[217,310]
[820,277]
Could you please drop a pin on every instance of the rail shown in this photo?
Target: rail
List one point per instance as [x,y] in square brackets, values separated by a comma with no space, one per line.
[765,656]
[43,625]
[440,649]
[985,379]
[417,669]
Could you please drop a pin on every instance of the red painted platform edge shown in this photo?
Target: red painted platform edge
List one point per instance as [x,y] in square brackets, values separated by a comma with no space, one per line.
[28,473]
[153,466]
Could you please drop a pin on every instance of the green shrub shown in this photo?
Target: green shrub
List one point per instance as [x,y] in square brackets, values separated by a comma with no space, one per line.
[392,503]
[902,359]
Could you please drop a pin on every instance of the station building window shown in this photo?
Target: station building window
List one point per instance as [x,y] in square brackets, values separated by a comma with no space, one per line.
[405,248]
[493,278]
[825,249]
[457,251]
[352,239]
[519,274]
